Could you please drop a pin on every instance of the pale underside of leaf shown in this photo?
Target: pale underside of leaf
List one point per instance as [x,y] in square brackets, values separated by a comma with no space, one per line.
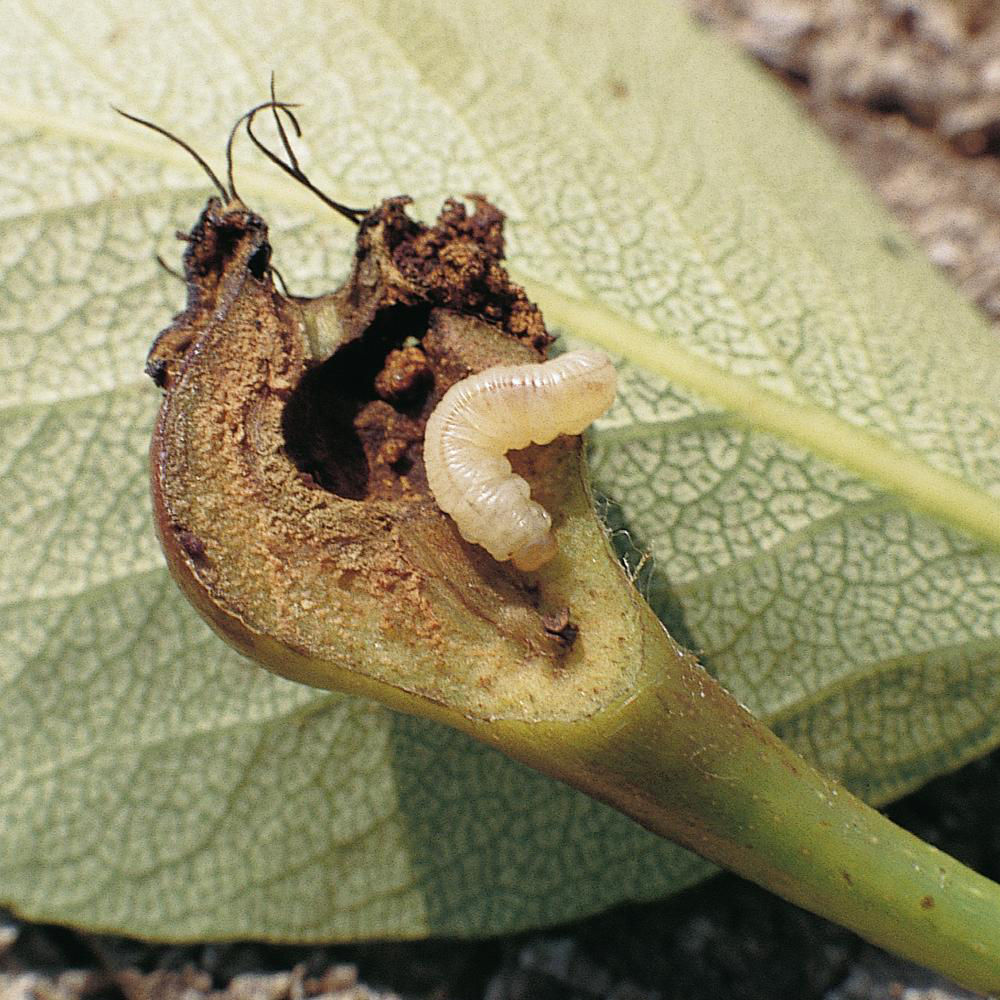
[778,360]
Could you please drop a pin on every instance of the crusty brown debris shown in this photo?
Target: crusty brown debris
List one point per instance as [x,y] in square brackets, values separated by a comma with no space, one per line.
[227,246]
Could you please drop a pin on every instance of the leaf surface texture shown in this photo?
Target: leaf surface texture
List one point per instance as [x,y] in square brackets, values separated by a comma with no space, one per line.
[150,780]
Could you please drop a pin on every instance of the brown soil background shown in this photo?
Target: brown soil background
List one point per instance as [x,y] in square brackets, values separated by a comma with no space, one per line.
[910,91]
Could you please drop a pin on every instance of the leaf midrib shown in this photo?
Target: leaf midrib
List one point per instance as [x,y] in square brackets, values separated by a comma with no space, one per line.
[876,459]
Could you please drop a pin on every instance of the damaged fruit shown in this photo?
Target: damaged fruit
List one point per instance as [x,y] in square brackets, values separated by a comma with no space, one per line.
[289,485]
[292,503]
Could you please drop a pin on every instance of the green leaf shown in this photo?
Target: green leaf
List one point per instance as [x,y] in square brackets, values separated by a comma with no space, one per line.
[800,398]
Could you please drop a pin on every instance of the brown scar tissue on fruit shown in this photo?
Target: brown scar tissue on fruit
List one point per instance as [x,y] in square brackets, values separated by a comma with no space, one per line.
[288,483]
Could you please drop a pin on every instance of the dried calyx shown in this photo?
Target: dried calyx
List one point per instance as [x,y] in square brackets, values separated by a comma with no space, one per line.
[289,487]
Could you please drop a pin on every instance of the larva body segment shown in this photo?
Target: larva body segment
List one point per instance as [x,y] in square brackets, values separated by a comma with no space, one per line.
[507,407]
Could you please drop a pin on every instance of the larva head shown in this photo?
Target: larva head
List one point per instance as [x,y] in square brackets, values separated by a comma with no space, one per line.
[598,386]
[290,492]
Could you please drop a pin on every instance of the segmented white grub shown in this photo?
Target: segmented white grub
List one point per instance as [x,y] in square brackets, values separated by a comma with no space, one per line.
[481,418]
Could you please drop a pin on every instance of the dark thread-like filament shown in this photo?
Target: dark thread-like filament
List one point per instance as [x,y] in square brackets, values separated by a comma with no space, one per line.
[180,142]
[292,167]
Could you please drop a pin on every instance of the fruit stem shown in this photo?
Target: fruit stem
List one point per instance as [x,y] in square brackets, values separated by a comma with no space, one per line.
[684,759]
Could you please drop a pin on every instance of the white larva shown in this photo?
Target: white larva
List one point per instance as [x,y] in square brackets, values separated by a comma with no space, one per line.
[484,416]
